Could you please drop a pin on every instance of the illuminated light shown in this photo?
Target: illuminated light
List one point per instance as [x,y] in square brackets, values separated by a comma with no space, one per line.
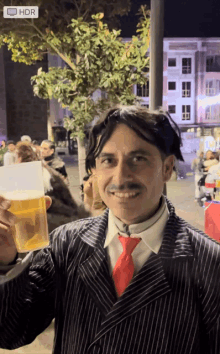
[205,101]
[209,143]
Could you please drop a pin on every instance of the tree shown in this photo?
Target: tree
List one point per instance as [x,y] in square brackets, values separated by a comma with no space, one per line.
[55,16]
[96,58]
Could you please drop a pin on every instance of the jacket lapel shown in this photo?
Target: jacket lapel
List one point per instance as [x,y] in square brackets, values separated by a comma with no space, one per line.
[94,271]
[148,285]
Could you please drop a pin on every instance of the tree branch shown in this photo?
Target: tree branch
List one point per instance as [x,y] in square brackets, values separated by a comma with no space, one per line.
[65,59]
[88,10]
[75,3]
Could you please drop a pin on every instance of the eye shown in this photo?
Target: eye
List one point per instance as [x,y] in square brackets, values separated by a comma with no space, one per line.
[139,158]
[106,161]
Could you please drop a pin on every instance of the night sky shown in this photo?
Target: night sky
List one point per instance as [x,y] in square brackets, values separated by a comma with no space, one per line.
[182,18]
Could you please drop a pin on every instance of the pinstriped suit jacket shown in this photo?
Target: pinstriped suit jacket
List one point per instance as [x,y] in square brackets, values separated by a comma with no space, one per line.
[172,305]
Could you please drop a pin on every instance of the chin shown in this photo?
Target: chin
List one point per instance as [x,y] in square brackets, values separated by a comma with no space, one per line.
[128,215]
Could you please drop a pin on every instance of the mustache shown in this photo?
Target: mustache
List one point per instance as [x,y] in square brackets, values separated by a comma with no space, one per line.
[129,186]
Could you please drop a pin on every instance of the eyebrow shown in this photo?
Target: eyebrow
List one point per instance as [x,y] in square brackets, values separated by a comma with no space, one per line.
[131,153]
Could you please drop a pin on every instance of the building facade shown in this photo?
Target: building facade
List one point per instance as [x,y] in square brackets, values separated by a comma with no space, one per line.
[21,113]
[191,84]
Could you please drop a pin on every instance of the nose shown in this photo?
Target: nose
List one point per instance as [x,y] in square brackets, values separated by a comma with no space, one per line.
[122,173]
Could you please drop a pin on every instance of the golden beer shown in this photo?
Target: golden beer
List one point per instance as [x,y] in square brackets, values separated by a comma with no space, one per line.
[30,231]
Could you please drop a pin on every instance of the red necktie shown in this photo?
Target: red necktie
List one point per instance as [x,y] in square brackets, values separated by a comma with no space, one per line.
[124,267]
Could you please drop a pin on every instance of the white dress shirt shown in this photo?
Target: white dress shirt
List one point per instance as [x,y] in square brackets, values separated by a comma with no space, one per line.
[150,231]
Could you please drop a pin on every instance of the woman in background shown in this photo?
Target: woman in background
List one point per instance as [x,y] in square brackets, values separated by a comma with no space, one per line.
[196,166]
[63,208]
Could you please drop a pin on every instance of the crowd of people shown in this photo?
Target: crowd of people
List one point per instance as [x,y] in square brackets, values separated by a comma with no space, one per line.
[63,209]
[205,167]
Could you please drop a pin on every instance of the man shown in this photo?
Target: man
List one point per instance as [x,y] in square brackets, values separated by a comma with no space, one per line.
[196,166]
[204,167]
[10,156]
[26,138]
[48,155]
[137,279]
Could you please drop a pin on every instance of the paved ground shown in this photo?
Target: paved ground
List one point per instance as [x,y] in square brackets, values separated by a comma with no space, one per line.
[181,194]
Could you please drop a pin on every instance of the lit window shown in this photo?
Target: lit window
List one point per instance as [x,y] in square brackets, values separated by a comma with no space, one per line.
[186,89]
[143,90]
[172,109]
[186,66]
[216,112]
[212,112]
[208,112]
[171,61]
[217,86]
[210,88]
[186,112]
[171,85]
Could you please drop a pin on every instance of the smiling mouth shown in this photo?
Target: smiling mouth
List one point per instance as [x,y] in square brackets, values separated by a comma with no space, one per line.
[125,195]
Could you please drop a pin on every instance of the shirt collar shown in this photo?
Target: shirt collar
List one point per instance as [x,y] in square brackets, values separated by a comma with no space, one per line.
[151,230]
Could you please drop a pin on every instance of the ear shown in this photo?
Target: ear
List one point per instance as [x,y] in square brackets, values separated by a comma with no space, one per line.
[168,165]
[48,201]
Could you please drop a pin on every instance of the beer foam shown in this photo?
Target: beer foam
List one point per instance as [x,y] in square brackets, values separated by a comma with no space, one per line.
[22,195]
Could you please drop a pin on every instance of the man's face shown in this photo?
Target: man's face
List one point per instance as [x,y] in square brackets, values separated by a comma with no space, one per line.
[131,175]
[209,155]
[45,150]
[11,147]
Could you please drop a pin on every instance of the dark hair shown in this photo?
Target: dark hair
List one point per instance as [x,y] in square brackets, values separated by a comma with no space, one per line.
[155,127]
[35,142]
[26,152]
[49,143]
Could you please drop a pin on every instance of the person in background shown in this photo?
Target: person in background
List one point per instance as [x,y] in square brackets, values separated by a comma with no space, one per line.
[213,175]
[216,155]
[3,144]
[204,166]
[210,160]
[9,156]
[26,138]
[3,150]
[53,161]
[37,148]
[63,208]
[196,167]
[92,199]
[201,160]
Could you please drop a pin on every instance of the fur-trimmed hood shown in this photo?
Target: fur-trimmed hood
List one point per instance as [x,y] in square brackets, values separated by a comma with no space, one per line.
[63,208]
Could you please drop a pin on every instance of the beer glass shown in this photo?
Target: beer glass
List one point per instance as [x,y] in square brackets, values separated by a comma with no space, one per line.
[23,185]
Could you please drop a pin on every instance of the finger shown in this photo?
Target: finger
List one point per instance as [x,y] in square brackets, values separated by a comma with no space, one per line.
[7,218]
[4,203]
[3,228]
[4,240]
